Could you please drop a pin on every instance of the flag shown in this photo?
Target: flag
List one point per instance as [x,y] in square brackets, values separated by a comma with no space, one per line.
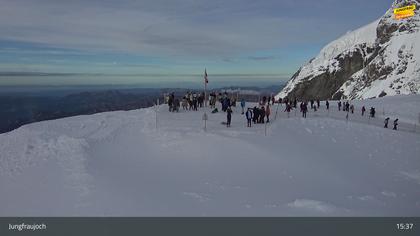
[205,77]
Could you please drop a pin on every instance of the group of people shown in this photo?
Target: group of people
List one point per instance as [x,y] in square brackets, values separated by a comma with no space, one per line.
[259,114]
[190,101]
[347,107]
[386,121]
[173,102]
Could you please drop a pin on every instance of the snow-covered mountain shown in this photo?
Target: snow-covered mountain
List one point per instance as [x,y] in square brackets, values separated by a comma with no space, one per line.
[379,59]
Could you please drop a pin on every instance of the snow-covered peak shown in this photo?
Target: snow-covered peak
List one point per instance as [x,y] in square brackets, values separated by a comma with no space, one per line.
[365,34]
[375,60]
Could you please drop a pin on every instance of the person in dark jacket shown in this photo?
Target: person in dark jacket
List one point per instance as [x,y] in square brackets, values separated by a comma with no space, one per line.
[372,112]
[228,116]
[249,116]
[363,110]
[327,104]
[395,124]
[256,114]
[386,122]
[339,105]
[262,115]
[304,109]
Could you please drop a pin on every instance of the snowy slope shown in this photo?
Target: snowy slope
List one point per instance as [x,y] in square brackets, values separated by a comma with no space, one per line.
[118,164]
[379,59]
[325,61]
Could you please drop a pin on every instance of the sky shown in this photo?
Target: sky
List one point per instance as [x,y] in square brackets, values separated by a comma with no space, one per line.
[174,37]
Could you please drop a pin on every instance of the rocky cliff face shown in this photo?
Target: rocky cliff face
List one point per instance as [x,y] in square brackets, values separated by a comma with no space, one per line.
[376,60]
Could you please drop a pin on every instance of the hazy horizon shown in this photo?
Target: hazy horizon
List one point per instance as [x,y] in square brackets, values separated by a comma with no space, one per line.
[155,81]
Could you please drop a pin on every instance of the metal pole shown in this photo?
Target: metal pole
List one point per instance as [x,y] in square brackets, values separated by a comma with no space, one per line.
[265,129]
[278,104]
[205,93]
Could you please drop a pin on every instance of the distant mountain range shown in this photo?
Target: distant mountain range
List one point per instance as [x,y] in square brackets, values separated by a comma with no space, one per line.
[20,106]
[379,59]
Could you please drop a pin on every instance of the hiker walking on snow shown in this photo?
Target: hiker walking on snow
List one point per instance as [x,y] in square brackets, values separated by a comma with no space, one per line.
[249,116]
[317,103]
[228,116]
[327,104]
[243,105]
[352,108]
[395,124]
[386,122]
[339,105]
[363,110]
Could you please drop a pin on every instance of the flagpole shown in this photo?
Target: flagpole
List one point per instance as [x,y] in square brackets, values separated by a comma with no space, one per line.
[205,88]
[205,94]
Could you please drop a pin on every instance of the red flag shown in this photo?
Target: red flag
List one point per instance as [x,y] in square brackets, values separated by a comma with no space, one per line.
[205,77]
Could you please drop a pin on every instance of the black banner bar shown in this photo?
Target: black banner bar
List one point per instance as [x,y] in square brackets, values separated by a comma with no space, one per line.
[195,226]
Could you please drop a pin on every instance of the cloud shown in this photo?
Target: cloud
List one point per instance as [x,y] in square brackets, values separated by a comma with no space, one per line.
[313,205]
[175,28]
[262,58]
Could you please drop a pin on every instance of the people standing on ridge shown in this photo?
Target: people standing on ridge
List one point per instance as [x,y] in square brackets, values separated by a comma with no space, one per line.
[304,108]
[372,112]
[228,116]
[363,110]
[170,102]
[175,105]
[255,114]
[395,124]
[249,117]
[327,104]
[262,114]
[264,100]
[243,105]
[339,105]
[386,122]
[347,106]
[267,113]
[288,108]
